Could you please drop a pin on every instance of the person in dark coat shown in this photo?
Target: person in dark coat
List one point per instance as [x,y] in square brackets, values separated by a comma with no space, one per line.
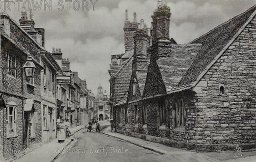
[89,127]
[98,127]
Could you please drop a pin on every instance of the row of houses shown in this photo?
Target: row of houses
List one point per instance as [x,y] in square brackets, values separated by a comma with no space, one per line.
[199,95]
[38,89]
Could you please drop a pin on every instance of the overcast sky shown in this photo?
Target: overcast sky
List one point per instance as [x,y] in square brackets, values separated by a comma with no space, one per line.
[89,37]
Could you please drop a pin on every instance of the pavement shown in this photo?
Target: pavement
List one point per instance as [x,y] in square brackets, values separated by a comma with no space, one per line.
[175,154]
[169,153]
[110,146]
[48,152]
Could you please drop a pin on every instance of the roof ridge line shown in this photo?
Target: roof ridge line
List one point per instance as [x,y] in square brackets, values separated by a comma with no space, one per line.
[193,84]
[122,67]
[191,42]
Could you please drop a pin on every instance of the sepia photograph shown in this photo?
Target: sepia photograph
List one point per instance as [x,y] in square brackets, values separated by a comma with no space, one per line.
[128,81]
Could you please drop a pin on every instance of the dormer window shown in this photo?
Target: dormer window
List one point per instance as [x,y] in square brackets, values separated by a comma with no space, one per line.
[12,65]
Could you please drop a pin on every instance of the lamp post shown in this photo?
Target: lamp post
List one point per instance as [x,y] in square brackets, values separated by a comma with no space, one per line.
[29,67]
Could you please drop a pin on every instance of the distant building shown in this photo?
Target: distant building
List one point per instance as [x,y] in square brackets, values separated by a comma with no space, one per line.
[72,93]
[90,105]
[102,107]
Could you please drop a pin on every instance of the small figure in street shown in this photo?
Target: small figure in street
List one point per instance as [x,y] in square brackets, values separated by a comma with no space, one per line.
[68,133]
[112,125]
[89,127]
[98,127]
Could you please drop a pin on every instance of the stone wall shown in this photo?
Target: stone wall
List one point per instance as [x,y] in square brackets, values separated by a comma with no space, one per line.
[120,118]
[152,119]
[225,120]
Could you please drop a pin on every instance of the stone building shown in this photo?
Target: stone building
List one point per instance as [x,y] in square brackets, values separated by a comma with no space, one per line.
[120,72]
[198,95]
[101,105]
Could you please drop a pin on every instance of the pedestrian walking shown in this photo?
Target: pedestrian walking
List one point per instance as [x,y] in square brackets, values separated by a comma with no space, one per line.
[98,127]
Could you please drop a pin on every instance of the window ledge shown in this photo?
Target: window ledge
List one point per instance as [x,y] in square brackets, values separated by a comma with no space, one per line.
[179,129]
[12,136]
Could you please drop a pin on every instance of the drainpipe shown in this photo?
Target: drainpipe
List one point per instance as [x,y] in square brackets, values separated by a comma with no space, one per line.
[22,102]
[195,126]
[3,132]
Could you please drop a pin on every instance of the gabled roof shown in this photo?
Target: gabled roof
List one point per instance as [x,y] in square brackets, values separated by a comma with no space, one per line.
[174,61]
[51,60]
[213,44]
[122,81]
[142,74]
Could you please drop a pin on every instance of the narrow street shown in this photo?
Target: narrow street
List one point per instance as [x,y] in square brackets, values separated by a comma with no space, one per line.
[95,147]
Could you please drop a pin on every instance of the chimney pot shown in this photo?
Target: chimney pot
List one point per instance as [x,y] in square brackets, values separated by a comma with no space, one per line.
[134,17]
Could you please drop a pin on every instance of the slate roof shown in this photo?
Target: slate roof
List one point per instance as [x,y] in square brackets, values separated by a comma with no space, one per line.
[122,82]
[174,61]
[128,54]
[213,43]
[142,75]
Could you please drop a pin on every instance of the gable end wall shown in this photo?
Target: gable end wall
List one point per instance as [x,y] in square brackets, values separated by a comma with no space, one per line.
[229,118]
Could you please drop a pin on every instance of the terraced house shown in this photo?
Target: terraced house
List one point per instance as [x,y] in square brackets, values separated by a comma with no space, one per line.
[199,95]
[21,51]
[72,93]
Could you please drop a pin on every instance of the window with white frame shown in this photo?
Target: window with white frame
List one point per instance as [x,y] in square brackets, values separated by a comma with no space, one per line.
[11,121]
[12,65]
[50,112]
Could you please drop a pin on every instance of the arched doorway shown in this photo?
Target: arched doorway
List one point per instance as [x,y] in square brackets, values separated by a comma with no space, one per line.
[100,117]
